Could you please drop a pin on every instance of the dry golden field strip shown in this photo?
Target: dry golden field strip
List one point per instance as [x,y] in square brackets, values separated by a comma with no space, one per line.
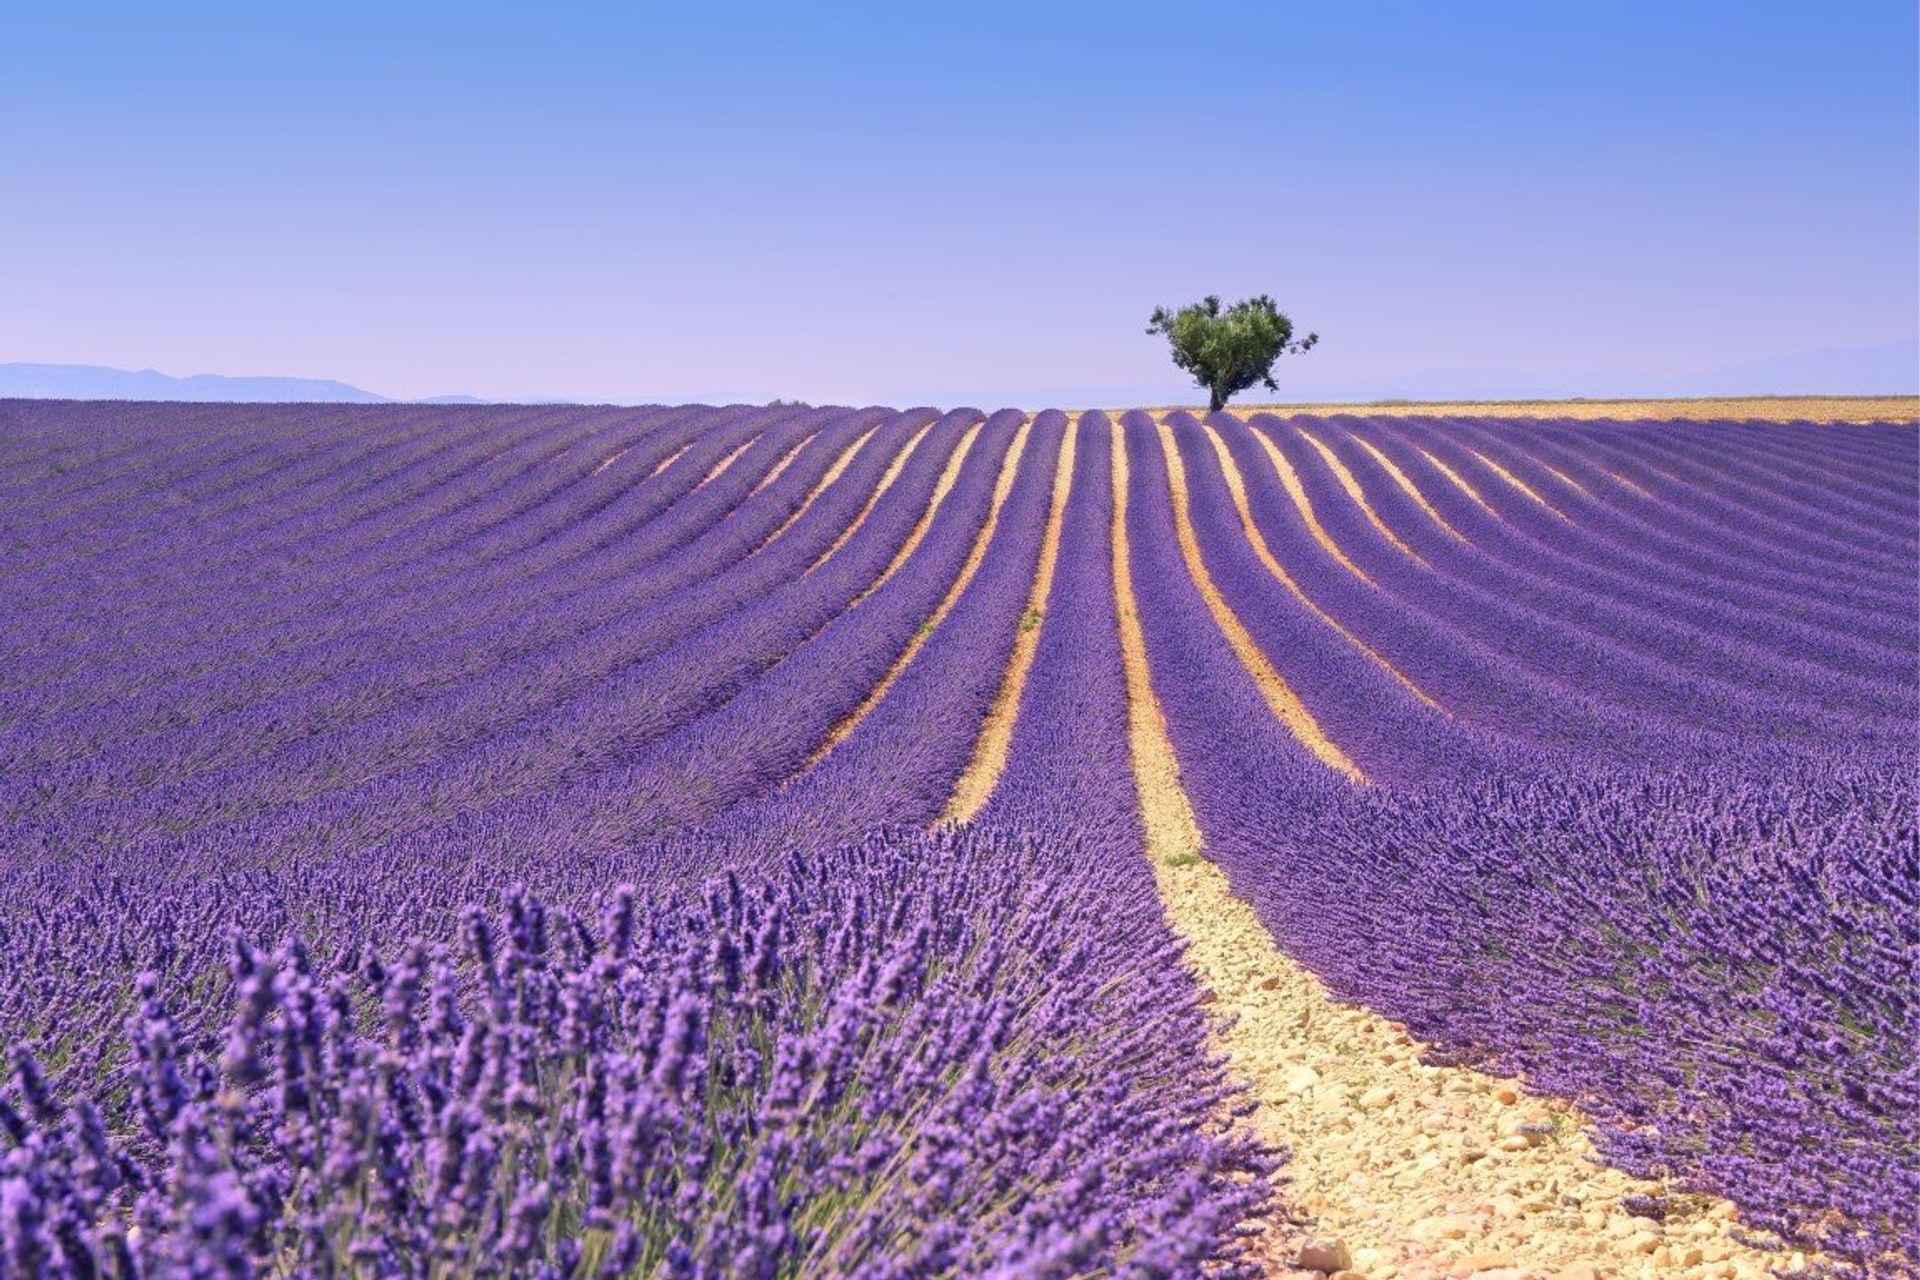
[1765,408]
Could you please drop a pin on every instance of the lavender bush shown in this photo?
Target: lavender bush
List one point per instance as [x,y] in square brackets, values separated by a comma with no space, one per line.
[921,1056]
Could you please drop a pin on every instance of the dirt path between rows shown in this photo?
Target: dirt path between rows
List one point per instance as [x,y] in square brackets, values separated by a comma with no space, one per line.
[1398,1170]
[1003,485]
[982,774]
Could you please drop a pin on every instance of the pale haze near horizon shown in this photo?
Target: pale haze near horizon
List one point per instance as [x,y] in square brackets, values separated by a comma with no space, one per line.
[980,207]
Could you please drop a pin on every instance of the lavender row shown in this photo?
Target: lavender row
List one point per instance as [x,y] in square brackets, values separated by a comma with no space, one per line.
[1850,510]
[352,475]
[241,711]
[1643,600]
[499,778]
[1767,465]
[1705,554]
[1473,681]
[1577,638]
[899,765]
[194,452]
[1686,508]
[1069,766]
[1606,541]
[181,594]
[225,614]
[1714,961]
[1720,564]
[1677,461]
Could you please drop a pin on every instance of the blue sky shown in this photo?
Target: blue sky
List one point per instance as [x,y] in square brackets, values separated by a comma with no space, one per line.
[972,202]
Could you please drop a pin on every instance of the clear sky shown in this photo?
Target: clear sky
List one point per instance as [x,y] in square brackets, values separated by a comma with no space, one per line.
[967,202]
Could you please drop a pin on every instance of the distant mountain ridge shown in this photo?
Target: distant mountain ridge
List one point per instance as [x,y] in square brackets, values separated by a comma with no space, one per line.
[99,382]
[20,381]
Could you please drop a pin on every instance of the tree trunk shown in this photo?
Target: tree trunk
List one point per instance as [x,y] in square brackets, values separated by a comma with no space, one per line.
[1215,401]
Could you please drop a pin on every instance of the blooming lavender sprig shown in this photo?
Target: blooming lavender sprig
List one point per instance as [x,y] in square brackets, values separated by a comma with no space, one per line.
[743,1080]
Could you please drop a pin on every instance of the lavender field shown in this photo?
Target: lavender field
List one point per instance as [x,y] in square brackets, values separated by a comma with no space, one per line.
[733,842]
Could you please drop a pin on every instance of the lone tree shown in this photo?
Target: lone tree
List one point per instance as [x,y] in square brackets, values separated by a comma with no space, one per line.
[1228,351]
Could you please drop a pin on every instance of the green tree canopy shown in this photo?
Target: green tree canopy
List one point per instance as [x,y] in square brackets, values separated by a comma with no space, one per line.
[1229,350]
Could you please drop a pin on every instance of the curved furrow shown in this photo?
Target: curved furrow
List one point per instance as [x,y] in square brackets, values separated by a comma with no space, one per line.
[895,760]
[342,543]
[1679,501]
[1067,766]
[1159,498]
[48,464]
[1716,560]
[299,503]
[351,638]
[1810,449]
[787,720]
[886,482]
[1791,465]
[1009,469]
[836,469]
[1409,625]
[779,468]
[1290,481]
[1766,456]
[93,603]
[704,746]
[513,489]
[1353,491]
[61,469]
[1513,481]
[407,712]
[994,743]
[1687,578]
[176,457]
[206,588]
[1550,550]
[1627,459]
[1790,524]
[1547,557]
[394,571]
[1356,697]
[258,487]
[1527,622]
[591,730]
[1847,552]
[1400,478]
[1887,466]
[1577,555]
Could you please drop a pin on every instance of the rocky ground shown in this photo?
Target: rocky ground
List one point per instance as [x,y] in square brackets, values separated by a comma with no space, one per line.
[1405,1171]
